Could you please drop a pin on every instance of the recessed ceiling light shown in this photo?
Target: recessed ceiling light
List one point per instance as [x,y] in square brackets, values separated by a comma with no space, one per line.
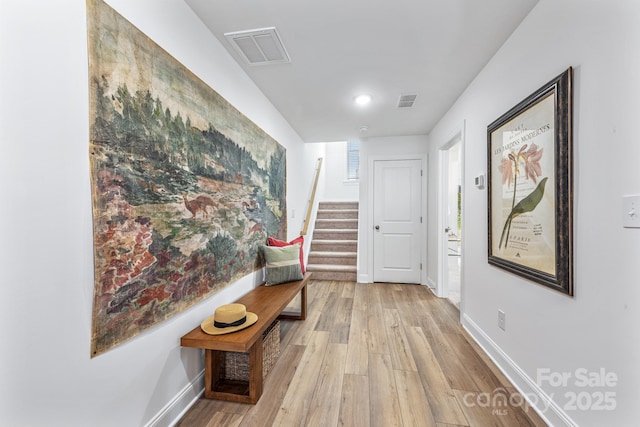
[363,99]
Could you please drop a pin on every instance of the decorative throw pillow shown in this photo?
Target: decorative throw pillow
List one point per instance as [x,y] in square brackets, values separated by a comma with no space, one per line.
[272,241]
[283,264]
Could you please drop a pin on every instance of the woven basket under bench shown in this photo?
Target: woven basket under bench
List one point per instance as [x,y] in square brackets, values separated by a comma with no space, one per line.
[235,366]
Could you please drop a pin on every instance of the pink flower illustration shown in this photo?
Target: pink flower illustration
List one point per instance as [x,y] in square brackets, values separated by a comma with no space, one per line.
[506,169]
[510,166]
[510,169]
[532,166]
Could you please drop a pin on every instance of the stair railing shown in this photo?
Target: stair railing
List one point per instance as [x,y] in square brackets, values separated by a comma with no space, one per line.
[305,224]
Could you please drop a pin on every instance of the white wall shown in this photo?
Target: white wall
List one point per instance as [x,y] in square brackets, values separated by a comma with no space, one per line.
[46,263]
[596,328]
[379,148]
[337,188]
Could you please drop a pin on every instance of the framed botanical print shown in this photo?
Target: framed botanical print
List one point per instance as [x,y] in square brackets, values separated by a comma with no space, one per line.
[529,152]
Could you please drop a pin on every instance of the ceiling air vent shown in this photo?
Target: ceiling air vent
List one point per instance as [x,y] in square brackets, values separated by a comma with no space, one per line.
[406,101]
[258,47]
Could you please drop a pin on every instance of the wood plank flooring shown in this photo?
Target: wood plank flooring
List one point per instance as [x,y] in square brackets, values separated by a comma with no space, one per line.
[375,354]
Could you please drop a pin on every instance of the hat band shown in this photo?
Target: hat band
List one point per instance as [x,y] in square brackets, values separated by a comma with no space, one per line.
[228,325]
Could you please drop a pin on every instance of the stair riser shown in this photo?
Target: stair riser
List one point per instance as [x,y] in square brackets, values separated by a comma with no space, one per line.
[332,275]
[333,235]
[337,214]
[319,246]
[331,260]
[330,224]
[337,205]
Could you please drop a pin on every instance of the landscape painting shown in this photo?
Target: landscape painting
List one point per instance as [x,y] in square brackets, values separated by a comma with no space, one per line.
[184,187]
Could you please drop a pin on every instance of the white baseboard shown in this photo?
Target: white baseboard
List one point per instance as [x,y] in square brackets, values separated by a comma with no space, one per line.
[180,404]
[363,278]
[537,399]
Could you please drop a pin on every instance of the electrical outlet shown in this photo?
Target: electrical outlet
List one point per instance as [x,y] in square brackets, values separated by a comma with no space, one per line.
[501,320]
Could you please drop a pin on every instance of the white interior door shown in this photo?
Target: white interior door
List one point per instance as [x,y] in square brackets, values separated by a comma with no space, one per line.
[397,202]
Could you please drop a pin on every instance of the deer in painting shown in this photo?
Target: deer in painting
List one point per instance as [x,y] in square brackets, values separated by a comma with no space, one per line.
[257,228]
[200,203]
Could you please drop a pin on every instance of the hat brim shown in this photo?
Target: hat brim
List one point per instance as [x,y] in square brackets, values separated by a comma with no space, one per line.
[208,327]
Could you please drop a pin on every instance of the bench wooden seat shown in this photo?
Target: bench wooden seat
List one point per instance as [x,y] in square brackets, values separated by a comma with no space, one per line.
[268,302]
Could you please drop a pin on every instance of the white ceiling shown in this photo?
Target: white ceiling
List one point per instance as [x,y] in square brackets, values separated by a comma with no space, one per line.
[342,48]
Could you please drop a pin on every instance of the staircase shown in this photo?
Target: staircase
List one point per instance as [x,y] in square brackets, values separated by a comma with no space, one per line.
[334,246]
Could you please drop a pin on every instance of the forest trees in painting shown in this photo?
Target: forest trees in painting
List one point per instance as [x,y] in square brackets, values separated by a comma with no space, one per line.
[184,187]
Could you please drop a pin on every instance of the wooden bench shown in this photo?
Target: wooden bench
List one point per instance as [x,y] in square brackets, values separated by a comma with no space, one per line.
[268,302]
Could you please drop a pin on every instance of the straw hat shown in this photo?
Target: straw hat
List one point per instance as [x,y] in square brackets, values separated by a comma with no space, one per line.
[228,318]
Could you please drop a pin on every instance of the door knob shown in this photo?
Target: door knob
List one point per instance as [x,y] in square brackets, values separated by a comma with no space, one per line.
[377,227]
[448,229]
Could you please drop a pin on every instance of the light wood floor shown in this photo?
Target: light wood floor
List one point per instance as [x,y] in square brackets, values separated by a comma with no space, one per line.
[375,355]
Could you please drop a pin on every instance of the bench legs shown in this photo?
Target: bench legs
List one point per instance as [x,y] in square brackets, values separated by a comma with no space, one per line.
[303,307]
[255,372]
[234,391]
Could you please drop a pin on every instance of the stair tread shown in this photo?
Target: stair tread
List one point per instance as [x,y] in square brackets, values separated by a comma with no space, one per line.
[333,254]
[330,267]
[334,241]
[334,236]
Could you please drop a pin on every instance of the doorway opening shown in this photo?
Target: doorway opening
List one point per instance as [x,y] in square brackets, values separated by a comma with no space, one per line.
[451,234]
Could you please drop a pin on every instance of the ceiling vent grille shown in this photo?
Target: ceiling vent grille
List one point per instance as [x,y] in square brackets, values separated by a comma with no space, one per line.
[259,47]
[407,101]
